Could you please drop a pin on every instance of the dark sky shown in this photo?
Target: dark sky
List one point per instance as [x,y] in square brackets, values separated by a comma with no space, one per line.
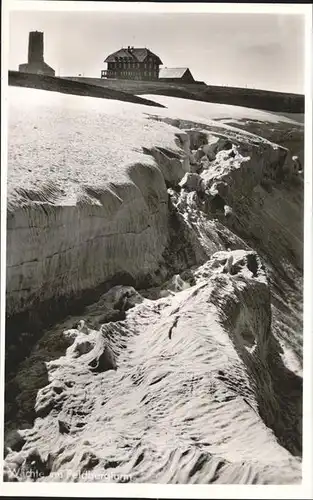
[255,50]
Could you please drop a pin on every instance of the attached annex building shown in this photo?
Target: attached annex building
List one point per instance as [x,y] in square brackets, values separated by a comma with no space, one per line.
[176,75]
[132,64]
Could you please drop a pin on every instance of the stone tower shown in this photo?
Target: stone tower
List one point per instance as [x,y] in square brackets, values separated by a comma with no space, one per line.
[35,47]
[36,63]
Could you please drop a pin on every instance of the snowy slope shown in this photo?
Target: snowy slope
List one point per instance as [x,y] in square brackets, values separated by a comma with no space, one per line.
[66,150]
[181,404]
[215,111]
[180,377]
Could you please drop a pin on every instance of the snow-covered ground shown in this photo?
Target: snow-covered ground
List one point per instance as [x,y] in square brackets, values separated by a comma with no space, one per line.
[188,385]
[214,111]
[171,394]
[71,140]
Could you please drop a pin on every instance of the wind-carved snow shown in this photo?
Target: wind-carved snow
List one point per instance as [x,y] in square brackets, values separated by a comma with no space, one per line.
[168,408]
[178,377]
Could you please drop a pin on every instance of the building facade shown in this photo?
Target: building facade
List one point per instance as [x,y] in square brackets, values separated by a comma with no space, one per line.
[132,64]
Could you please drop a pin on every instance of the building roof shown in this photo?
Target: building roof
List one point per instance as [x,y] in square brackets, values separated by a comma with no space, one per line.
[137,54]
[172,72]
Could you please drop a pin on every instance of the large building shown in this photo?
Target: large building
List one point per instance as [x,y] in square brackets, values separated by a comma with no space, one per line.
[132,64]
[36,63]
[176,75]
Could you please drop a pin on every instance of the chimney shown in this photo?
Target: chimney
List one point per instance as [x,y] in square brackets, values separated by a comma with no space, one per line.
[35,47]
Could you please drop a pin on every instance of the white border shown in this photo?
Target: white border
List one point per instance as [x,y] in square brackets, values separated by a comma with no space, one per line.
[305,490]
[307,460]
[153,7]
[4,146]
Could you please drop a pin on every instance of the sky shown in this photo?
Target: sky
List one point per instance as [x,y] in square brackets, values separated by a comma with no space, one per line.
[264,51]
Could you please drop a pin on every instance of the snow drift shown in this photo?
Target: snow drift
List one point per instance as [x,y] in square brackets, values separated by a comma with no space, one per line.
[171,394]
[191,372]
